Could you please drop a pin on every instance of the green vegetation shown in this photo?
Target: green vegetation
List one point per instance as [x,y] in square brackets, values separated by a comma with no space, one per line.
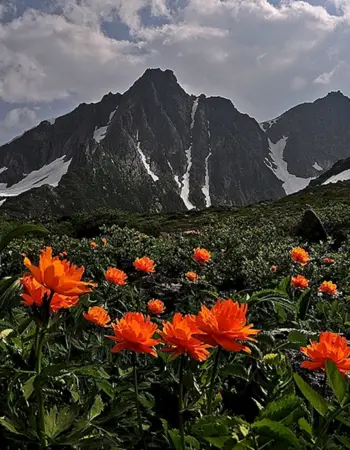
[62,388]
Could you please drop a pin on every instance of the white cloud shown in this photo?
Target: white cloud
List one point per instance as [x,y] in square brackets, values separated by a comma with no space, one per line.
[265,58]
[20,117]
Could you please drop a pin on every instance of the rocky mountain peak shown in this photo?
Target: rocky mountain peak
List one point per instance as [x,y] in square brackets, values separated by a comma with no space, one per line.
[156,148]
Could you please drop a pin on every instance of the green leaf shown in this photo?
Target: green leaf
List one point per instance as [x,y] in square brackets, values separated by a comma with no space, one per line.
[175,439]
[337,381]
[286,409]
[20,231]
[91,371]
[283,287]
[106,387]
[303,304]
[305,426]
[210,426]
[217,441]
[236,370]
[96,408]
[276,431]
[344,440]
[10,425]
[28,387]
[58,421]
[246,444]
[316,400]
[193,443]
[297,337]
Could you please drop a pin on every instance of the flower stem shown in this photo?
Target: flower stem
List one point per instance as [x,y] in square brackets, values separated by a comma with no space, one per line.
[137,396]
[181,402]
[213,376]
[40,336]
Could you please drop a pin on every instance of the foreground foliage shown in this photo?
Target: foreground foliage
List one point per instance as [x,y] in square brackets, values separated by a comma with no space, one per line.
[83,366]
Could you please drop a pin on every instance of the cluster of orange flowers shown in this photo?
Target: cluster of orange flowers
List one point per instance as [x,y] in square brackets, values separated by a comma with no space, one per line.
[224,325]
[301,256]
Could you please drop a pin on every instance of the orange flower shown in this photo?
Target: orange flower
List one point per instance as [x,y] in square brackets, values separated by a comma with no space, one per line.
[274,268]
[156,307]
[93,244]
[300,282]
[98,316]
[104,241]
[331,346]
[201,255]
[135,332]
[34,292]
[191,276]
[328,260]
[327,287]
[299,255]
[179,335]
[58,275]
[116,276]
[63,302]
[225,324]
[144,264]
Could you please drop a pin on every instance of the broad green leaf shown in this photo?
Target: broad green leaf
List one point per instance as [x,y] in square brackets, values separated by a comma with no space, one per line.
[91,371]
[344,440]
[297,337]
[236,370]
[58,421]
[337,381]
[305,426]
[217,441]
[276,431]
[106,387]
[20,231]
[175,439]
[316,400]
[286,409]
[246,444]
[193,443]
[10,425]
[283,287]
[50,422]
[209,426]
[28,387]
[303,304]
[96,408]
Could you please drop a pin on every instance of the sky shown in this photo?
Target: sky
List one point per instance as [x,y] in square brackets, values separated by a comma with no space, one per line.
[266,56]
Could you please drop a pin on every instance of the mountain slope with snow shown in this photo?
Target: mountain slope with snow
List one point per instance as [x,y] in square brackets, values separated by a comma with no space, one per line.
[158,149]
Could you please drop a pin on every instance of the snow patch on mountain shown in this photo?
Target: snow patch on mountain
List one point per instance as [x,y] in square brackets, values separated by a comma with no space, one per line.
[3,169]
[176,177]
[193,112]
[291,183]
[144,160]
[185,182]
[50,174]
[51,121]
[100,133]
[317,166]
[205,188]
[342,176]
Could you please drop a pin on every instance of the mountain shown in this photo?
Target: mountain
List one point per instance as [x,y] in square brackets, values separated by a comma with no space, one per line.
[310,137]
[158,149]
[339,172]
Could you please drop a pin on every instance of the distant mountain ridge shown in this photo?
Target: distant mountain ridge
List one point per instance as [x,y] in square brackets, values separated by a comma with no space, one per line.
[157,149]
